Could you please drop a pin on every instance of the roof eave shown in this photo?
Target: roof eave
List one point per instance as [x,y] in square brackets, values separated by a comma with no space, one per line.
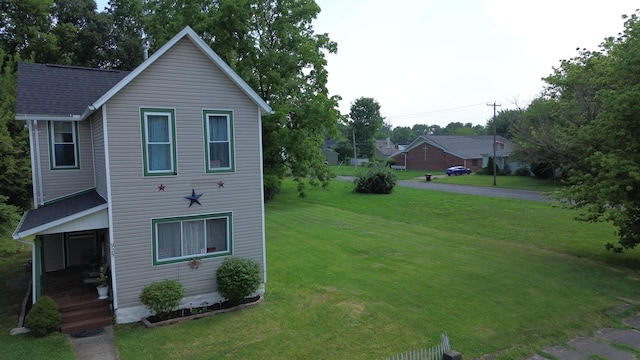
[70,117]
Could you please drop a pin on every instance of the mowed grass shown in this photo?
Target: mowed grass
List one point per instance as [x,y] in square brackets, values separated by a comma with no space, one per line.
[14,281]
[355,276]
[503,181]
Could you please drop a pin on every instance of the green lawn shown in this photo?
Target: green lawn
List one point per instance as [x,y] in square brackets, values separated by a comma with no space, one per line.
[503,181]
[14,282]
[363,277]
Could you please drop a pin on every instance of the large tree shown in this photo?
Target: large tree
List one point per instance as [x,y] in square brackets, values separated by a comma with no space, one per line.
[125,44]
[365,121]
[81,33]
[587,124]
[506,123]
[25,29]
[272,45]
[403,135]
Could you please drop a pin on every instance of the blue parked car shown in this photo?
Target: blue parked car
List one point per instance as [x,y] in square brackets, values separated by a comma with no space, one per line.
[458,170]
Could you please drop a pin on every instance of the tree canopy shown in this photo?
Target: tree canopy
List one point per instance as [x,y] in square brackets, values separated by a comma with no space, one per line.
[365,121]
[586,125]
[271,44]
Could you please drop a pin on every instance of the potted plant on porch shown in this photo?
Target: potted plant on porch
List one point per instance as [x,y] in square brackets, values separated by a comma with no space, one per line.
[103,286]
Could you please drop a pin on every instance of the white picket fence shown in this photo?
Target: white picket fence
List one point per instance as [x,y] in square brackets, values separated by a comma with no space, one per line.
[433,353]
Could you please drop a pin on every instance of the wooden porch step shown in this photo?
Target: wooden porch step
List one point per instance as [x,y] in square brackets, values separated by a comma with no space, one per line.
[82,303]
[85,313]
[86,324]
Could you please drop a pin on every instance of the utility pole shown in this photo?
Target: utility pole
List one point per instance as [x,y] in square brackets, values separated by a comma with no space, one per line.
[494,140]
[355,159]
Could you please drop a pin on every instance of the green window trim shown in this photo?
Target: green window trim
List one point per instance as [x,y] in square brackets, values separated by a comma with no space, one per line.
[63,141]
[169,248]
[219,146]
[160,141]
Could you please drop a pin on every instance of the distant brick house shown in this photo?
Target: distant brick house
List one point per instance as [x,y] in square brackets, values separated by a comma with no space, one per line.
[438,152]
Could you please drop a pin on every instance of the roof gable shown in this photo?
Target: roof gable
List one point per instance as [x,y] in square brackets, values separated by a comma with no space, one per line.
[217,60]
[65,92]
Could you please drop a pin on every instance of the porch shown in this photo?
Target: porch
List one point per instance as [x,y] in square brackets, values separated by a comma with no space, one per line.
[78,301]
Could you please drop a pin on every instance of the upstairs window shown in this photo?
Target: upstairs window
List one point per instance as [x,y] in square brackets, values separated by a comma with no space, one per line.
[63,140]
[218,126]
[159,141]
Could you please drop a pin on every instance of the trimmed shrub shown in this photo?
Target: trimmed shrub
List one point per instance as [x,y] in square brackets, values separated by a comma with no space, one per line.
[379,180]
[271,186]
[391,161]
[162,297]
[43,318]
[238,278]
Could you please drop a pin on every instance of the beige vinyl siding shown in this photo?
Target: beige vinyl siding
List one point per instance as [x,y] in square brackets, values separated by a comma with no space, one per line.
[98,154]
[184,80]
[63,182]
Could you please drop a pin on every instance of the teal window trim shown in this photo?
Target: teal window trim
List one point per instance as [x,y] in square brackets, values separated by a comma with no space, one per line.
[171,141]
[52,146]
[213,165]
[205,252]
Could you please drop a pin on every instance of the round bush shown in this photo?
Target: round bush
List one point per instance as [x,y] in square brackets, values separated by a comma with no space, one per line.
[238,278]
[379,180]
[43,318]
[162,297]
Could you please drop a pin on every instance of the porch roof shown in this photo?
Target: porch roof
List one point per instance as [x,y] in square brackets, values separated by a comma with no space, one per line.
[60,212]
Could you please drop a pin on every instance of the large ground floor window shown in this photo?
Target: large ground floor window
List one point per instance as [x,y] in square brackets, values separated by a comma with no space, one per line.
[183,238]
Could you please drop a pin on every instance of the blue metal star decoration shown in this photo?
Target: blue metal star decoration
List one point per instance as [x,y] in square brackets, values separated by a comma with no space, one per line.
[194,198]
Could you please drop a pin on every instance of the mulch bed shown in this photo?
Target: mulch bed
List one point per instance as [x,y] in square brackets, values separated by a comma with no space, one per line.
[200,312]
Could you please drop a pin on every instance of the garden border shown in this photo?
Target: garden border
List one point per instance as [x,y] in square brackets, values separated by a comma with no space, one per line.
[149,324]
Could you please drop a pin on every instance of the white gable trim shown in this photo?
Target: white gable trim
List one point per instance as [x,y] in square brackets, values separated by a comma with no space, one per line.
[189,33]
[94,218]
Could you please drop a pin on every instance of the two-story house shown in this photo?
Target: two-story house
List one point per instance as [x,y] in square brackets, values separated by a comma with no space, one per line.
[141,172]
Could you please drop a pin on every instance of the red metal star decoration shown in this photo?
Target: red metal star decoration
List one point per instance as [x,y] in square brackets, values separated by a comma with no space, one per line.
[161,187]
[220,184]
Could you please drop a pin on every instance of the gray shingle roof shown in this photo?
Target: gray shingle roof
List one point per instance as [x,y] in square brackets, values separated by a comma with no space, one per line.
[469,147]
[60,209]
[61,90]
[464,147]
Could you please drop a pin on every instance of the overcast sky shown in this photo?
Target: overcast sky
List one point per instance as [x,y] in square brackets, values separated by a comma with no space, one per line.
[441,61]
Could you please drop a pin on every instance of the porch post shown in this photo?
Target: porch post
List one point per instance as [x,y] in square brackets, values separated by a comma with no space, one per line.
[36,267]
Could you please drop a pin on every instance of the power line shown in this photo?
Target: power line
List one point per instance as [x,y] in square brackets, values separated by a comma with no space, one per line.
[459,108]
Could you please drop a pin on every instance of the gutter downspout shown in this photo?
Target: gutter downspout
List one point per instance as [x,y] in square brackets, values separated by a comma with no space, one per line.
[112,260]
[39,193]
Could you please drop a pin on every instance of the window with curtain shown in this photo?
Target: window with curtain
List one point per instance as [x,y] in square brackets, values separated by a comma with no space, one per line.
[219,140]
[179,239]
[63,137]
[158,132]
